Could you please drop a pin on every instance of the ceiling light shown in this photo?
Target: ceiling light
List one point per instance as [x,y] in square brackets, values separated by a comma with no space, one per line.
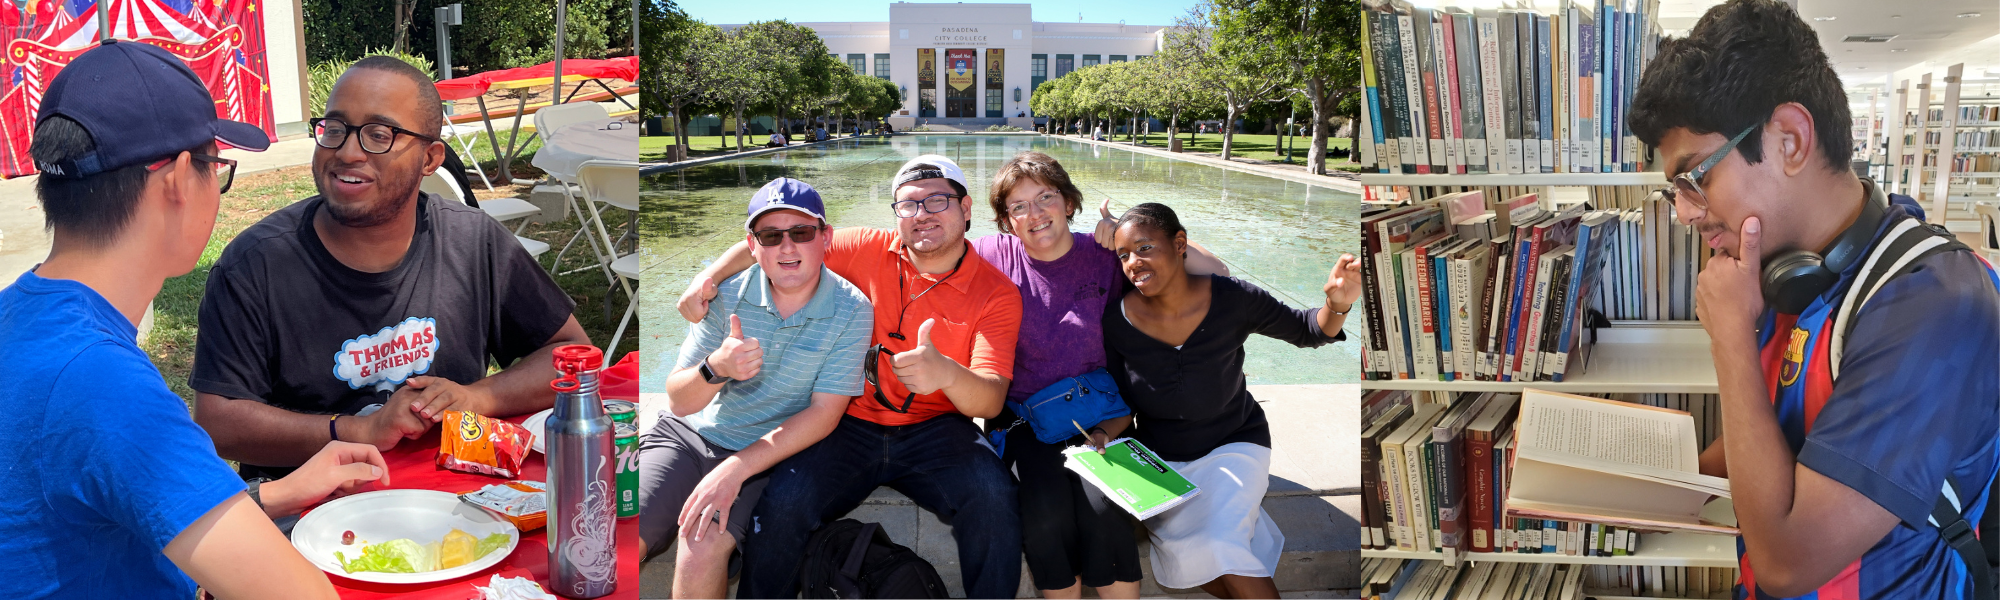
[1968,15]
[1829,18]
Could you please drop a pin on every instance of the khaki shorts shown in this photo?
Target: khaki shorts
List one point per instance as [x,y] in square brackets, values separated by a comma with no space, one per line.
[673,459]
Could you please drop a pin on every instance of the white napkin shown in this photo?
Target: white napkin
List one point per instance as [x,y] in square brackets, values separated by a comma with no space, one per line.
[514,588]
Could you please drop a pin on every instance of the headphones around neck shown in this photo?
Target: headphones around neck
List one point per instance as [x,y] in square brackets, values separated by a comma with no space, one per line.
[1794,278]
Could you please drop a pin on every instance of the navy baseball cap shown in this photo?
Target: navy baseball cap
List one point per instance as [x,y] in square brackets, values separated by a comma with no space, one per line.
[139,104]
[785,193]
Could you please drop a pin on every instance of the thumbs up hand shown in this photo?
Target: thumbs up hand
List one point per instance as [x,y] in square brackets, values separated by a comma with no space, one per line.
[739,358]
[1107,226]
[923,370]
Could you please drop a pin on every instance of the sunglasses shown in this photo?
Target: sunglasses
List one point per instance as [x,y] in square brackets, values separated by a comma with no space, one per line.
[868,371]
[799,233]
[225,169]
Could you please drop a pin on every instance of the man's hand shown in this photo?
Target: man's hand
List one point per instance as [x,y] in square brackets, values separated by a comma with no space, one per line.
[739,358]
[437,394]
[1729,293]
[337,470]
[1343,285]
[392,424]
[694,302]
[1107,226]
[709,504]
[923,370]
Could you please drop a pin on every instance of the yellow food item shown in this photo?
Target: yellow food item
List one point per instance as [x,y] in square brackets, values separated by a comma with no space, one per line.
[458,548]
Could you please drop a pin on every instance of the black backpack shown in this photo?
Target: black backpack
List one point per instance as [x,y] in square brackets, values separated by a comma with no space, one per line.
[850,559]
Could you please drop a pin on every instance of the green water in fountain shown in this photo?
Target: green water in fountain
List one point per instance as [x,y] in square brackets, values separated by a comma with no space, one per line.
[1282,236]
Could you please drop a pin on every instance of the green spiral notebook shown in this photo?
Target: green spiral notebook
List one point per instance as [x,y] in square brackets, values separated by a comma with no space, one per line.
[1132,476]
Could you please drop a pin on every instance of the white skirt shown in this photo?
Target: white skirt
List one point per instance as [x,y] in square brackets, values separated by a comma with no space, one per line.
[1223,530]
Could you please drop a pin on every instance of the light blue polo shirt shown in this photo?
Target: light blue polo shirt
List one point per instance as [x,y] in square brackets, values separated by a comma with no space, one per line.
[819,349]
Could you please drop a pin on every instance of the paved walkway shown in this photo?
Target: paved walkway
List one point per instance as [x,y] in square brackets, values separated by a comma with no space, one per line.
[24,244]
[1339,180]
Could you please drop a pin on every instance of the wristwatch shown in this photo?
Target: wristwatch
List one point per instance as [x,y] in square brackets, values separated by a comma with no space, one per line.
[251,488]
[708,374]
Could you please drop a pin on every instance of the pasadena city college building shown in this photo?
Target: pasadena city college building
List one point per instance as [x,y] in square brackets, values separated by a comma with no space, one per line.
[968,64]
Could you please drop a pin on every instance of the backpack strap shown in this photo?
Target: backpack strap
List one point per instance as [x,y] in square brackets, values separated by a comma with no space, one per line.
[1950,522]
[1908,242]
[852,568]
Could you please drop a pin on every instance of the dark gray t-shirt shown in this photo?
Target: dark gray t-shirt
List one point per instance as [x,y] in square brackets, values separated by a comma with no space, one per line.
[285,323]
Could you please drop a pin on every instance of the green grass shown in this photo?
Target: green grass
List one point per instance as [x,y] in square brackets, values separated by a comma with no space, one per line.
[654,148]
[482,150]
[171,341]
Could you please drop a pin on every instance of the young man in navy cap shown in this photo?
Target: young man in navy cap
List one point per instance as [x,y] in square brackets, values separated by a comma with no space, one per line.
[364,312]
[702,470]
[113,491]
[945,326]
[1858,385]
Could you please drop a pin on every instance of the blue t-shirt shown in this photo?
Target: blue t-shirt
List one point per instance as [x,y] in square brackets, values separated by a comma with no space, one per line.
[1915,402]
[104,466]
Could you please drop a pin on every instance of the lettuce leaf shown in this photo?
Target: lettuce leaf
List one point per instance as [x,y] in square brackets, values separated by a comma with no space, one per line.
[491,543]
[393,556]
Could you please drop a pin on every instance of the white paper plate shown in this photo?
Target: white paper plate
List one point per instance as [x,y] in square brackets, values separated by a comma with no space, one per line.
[424,516]
[534,425]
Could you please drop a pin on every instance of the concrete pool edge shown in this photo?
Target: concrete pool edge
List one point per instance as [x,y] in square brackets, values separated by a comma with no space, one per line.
[1342,185]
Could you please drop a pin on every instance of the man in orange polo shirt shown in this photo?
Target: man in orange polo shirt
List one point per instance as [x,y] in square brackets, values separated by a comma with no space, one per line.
[945,323]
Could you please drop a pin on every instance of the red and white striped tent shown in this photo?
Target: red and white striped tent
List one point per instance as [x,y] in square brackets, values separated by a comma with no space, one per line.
[215,49]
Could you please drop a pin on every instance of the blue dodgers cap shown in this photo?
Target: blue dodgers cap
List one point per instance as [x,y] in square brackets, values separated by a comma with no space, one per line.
[139,104]
[785,193]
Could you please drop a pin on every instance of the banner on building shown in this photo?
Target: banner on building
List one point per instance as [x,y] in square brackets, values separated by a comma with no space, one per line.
[996,59]
[926,68]
[960,65]
[221,40]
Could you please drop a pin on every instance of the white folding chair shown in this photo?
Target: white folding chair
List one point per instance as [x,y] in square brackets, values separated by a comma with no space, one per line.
[446,187]
[547,121]
[459,134]
[615,183]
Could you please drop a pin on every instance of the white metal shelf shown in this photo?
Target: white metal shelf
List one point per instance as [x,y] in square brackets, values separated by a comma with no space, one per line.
[1635,358]
[1533,179]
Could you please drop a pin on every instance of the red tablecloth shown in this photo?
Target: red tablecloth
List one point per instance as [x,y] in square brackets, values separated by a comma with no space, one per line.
[413,465]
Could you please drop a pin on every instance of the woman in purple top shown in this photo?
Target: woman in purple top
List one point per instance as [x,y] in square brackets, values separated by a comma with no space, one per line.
[1072,535]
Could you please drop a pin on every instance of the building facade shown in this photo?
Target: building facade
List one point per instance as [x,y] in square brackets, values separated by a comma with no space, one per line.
[977,61]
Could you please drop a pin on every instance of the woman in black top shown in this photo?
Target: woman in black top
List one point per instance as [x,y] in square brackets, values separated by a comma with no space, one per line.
[1175,345]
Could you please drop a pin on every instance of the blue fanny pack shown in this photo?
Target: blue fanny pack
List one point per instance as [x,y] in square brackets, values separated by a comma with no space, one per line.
[1056,411]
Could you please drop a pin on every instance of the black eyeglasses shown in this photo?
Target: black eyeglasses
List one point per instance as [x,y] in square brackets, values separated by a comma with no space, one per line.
[1688,185]
[934,203]
[868,371]
[225,169]
[376,138]
[799,233]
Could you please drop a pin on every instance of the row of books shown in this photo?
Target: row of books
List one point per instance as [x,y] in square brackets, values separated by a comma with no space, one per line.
[1964,141]
[1437,475]
[1966,114]
[1455,290]
[1965,163]
[1507,90]
[1400,579]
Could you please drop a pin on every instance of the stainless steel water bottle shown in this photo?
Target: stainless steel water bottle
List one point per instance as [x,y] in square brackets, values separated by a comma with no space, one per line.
[583,552]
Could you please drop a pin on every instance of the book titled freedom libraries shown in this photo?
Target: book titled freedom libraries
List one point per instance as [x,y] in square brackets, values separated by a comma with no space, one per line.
[1132,476]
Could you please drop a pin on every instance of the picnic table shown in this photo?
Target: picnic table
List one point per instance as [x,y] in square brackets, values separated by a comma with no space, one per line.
[413,465]
[574,70]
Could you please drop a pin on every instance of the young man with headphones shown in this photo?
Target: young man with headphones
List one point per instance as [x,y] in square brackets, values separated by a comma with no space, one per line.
[1857,349]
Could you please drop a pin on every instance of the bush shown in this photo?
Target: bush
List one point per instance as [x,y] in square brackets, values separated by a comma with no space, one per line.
[322,75]
[1002,128]
[919,128]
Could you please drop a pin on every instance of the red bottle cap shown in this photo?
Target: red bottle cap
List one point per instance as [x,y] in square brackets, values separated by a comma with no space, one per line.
[573,359]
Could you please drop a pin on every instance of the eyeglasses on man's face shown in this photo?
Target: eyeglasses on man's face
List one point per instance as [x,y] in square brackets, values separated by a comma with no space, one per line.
[225,169]
[1687,186]
[375,138]
[934,203]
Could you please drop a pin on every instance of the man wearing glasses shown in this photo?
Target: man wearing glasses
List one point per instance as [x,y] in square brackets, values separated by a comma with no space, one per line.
[702,470]
[1860,435]
[113,490]
[944,328]
[363,313]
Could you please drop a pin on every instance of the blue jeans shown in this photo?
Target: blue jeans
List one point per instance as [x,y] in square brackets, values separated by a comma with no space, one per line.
[942,464]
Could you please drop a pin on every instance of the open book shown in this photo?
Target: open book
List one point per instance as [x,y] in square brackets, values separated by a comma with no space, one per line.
[1131,476]
[1602,461]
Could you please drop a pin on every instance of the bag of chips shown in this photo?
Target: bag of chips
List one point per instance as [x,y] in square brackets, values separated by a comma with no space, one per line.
[471,443]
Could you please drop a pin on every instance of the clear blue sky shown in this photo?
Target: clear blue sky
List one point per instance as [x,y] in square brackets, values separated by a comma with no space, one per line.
[1133,12]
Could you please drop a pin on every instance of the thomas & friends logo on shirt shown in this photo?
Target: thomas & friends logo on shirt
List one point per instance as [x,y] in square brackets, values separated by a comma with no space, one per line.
[1795,356]
[391,355]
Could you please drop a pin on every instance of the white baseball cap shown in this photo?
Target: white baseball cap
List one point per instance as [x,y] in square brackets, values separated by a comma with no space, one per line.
[945,169]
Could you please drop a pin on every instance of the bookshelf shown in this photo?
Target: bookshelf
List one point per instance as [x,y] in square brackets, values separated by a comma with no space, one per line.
[1665,550]
[1630,357]
[1644,178]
